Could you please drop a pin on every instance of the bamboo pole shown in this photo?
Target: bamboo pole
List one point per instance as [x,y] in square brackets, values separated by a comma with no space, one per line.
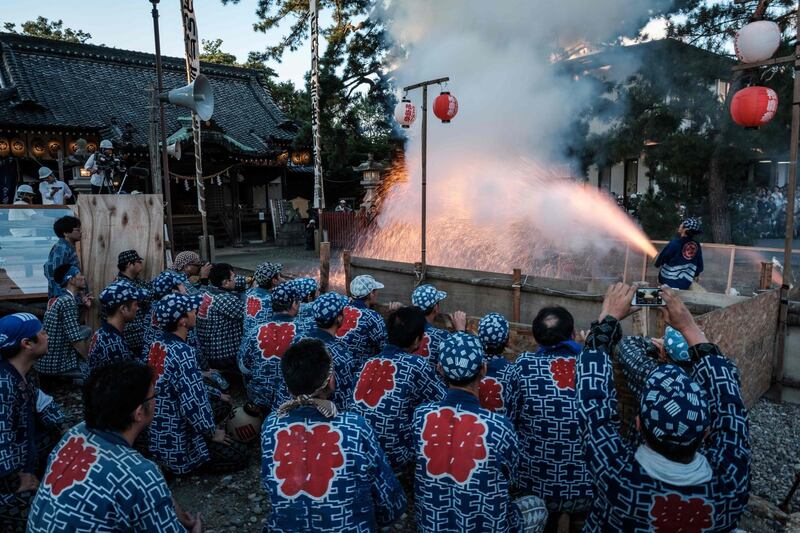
[517,298]
[324,266]
[348,275]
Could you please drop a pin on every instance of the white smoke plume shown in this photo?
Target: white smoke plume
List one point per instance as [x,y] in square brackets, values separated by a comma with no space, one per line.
[494,165]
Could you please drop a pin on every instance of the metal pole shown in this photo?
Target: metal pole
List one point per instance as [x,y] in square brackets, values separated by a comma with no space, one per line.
[163,130]
[423,259]
[319,187]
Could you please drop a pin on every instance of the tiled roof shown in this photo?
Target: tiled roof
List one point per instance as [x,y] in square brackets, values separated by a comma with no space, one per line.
[69,85]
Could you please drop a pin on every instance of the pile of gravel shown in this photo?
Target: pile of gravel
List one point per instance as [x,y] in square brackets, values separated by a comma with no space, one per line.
[775,439]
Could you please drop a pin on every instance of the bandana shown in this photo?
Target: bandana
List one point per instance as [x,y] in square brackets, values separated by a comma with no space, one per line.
[71,273]
[14,328]
[325,407]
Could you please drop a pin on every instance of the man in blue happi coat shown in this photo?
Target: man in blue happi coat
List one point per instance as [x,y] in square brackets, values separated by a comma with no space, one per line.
[692,470]
[30,421]
[308,291]
[393,383]
[258,303]
[323,470]
[95,479]
[120,303]
[499,388]
[466,455]
[131,265]
[551,461]
[363,329]
[681,260]
[219,319]
[184,434]
[427,298]
[189,265]
[328,317]
[265,345]
[63,252]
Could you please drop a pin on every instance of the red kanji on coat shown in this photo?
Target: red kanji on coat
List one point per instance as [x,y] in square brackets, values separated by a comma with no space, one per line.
[202,311]
[424,346]
[70,465]
[453,444]
[673,514]
[274,338]
[490,393]
[307,459]
[563,372]
[350,320]
[93,342]
[155,359]
[376,379]
[253,306]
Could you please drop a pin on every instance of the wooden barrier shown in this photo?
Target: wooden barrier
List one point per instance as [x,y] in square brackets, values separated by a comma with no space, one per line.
[114,223]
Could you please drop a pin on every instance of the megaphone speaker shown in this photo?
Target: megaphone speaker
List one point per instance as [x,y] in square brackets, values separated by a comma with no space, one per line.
[174,150]
[197,96]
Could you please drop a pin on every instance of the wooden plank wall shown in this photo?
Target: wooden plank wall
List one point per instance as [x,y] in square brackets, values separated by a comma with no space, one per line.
[112,224]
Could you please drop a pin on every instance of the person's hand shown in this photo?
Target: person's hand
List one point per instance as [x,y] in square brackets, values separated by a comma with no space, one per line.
[394,306]
[677,315]
[192,523]
[27,482]
[459,319]
[205,270]
[221,437]
[87,300]
[580,337]
[617,302]
[226,398]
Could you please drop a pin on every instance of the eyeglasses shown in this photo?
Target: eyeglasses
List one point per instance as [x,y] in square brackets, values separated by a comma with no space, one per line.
[153,397]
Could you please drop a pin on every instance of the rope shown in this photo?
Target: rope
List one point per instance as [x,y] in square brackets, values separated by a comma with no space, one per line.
[210,176]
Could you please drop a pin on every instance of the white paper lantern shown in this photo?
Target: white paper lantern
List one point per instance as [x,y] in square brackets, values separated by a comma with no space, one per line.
[405,113]
[757,41]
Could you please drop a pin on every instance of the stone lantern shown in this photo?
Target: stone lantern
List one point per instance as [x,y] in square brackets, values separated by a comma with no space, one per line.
[371,179]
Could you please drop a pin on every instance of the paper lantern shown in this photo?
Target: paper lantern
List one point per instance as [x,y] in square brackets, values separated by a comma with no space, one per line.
[754,106]
[53,146]
[405,113]
[5,147]
[38,148]
[17,147]
[445,107]
[758,41]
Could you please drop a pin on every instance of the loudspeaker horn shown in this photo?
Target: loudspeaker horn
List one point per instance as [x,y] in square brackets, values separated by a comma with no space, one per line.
[197,96]
[174,150]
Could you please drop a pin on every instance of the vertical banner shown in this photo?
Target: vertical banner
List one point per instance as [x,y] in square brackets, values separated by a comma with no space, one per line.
[319,190]
[192,45]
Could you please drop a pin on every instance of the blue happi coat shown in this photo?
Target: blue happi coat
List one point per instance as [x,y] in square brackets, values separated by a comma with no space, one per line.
[261,355]
[342,365]
[183,417]
[363,331]
[96,482]
[466,457]
[499,389]
[62,253]
[219,326]
[107,346]
[257,308]
[388,389]
[305,319]
[326,474]
[681,261]
[61,322]
[135,330]
[551,465]
[626,497]
[431,341]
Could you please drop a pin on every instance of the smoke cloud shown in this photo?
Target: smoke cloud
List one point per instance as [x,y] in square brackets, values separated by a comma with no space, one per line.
[497,164]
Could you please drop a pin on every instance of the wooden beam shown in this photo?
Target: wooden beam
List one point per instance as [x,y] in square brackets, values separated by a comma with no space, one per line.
[765,63]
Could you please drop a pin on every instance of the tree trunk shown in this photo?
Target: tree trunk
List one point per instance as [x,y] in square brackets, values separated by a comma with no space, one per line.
[718,199]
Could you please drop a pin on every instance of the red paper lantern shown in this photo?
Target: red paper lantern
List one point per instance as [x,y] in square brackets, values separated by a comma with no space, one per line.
[445,107]
[754,106]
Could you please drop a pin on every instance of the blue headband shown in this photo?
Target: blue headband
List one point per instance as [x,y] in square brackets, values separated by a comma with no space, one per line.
[71,273]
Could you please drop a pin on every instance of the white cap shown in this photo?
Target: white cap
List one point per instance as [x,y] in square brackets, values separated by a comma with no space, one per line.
[361,286]
[105,143]
[44,172]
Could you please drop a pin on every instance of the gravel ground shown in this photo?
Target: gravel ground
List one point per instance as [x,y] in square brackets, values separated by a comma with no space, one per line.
[237,502]
[775,436]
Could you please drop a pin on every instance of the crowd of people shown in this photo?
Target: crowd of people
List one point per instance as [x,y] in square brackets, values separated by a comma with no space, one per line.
[355,407]
[764,211]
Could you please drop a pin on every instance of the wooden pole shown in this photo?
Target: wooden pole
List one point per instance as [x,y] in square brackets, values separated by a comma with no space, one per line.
[319,185]
[348,275]
[423,259]
[792,179]
[644,267]
[324,266]
[625,267]
[162,128]
[730,271]
[61,164]
[516,313]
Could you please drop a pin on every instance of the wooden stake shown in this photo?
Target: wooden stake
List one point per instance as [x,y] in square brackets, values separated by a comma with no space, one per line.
[516,305]
[324,266]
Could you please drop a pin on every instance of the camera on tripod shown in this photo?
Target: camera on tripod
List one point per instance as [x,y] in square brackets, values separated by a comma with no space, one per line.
[109,163]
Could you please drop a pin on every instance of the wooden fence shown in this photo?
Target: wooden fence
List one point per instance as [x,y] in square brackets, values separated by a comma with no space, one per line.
[343,228]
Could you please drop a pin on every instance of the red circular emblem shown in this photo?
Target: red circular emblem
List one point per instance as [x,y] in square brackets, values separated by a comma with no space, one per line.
[689,250]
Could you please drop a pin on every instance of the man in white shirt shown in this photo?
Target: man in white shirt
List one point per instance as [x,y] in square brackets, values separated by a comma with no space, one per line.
[23,196]
[53,191]
[99,176]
